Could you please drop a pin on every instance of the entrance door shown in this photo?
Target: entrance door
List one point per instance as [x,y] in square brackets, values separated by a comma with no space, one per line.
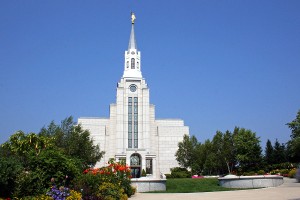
[135,172]
[135,165]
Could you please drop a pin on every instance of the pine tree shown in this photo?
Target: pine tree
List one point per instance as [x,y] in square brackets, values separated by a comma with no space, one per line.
[269,153]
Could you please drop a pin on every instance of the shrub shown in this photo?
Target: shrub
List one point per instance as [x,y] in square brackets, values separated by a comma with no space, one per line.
[292,173]
[133,190]
[43,167]
[87,183]
[110,191]
[249,173]
[179,169]
[74,195]
[38,197]
[143,172]
[284,172]
[54,164]
[92,180]
[178,172]
[30,183]
[180,175]
[261,172]
[168,176]
[41,197]
[9,169]
[275,171]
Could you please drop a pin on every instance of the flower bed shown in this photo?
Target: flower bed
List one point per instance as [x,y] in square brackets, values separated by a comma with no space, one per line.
[196,176]
[111,182]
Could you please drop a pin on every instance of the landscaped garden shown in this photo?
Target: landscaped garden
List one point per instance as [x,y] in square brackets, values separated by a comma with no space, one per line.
[239,152]
[55,164]
[111,182]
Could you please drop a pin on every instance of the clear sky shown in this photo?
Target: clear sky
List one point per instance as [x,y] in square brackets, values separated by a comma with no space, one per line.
[216,64]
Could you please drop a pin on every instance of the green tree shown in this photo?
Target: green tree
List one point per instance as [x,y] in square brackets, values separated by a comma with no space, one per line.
[207,157]
[209,165]
[186,154]
[220,153]
[248,149]
[294,143]
[269,153]
[216,156]
[199,159]
[74,141]
[21,145]
[295,126]
[279,153]
[228,151]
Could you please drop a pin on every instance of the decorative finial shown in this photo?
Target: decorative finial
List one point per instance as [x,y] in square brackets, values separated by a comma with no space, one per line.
[132,17]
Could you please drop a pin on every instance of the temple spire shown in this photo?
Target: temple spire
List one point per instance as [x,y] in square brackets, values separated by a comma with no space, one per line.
[132,67]
[132,42]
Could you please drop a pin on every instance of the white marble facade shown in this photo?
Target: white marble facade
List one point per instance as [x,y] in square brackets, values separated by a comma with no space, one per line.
[132,133]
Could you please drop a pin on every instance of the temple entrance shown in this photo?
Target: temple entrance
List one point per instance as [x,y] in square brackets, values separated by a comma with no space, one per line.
[135,165]
[135,172]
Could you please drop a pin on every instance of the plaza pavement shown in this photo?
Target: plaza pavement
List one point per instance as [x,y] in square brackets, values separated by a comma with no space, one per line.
[289,190]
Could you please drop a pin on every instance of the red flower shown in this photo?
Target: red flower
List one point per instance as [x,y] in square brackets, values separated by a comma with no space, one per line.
[122,168]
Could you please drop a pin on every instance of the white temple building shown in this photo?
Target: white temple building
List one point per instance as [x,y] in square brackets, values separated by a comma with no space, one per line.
[132,133]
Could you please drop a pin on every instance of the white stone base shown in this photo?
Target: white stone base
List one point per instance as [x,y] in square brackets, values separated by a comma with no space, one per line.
[298,175]
[148,185]
[232,181]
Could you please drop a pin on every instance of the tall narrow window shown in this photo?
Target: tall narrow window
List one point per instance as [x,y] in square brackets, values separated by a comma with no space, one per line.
[127,64]
[129,122]
[149,166]
[132,63]
[137,65]
[135,124]
[122,160]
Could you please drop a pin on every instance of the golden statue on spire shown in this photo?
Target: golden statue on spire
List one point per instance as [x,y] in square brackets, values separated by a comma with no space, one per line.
[132,17]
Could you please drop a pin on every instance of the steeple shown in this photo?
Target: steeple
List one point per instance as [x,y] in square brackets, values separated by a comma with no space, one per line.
[132,65]
[132,42]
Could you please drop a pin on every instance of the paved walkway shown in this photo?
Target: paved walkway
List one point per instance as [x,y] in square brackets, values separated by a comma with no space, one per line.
[289,190]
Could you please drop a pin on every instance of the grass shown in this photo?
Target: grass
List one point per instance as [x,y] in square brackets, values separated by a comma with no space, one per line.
[188,185]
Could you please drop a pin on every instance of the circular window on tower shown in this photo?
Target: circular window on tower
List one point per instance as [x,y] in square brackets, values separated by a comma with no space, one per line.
[132,88]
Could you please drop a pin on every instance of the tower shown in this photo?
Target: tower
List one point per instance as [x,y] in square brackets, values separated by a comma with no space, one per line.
[133,110]
[132,65]
[131,133]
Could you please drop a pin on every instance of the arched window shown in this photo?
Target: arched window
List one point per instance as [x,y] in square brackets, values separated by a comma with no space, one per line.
[135,160]
[127,64]
[132,63]
[137,65]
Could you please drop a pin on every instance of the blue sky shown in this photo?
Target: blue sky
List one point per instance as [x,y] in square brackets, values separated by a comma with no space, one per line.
[216,64]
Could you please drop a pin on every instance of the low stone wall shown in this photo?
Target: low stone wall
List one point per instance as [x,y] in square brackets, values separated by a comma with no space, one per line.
[260,181]
[298,174]
[147,185]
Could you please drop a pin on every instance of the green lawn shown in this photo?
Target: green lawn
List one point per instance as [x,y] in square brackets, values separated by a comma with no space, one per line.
[187,185]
